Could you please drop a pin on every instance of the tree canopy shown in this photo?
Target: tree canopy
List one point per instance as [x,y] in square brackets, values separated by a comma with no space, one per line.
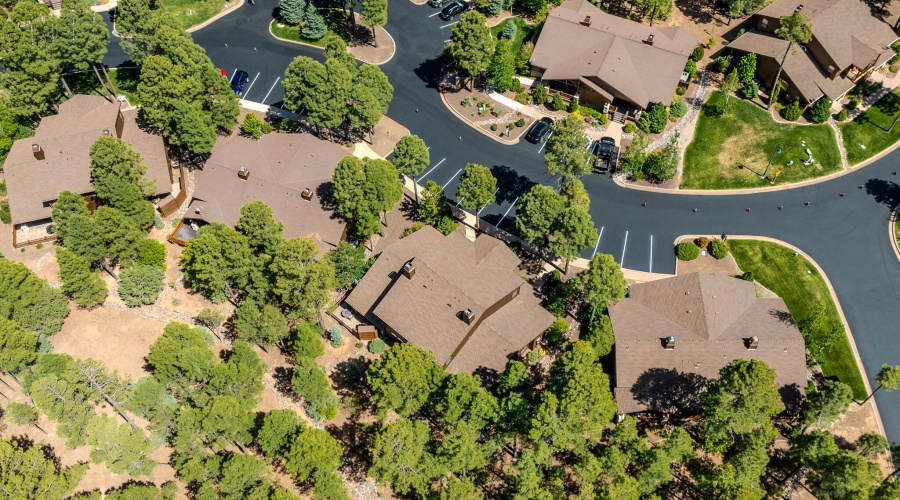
[471,45]
[567,153]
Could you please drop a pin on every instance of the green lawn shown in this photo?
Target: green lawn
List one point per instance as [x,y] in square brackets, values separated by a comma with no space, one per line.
[125,80]
[776,268]
[190,13]
[337,24]
[523,32]
[732,151]
[870,129]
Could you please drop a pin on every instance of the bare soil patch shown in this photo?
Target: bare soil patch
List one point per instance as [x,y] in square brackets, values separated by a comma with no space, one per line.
[495,114]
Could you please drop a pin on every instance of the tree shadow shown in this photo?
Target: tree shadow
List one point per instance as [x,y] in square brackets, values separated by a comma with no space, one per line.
[512,185]
[429,71]
[782,316]
[885,192]
[668,390]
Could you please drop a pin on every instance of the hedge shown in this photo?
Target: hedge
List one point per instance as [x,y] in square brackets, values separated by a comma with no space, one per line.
[687,251]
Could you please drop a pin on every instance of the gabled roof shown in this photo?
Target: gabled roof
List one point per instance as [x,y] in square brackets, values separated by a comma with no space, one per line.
[847,30]
[280,167]
[611,52]
[65,139]
[452,274]
[712,318]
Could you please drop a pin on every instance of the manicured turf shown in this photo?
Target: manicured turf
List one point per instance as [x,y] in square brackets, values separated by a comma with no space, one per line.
[870,129]
[776,268]
[747,136]
[334,18]
[125,81]
[523,32]
[190,13]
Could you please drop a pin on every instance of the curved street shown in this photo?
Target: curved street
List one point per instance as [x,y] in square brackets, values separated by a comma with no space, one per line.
[848,236]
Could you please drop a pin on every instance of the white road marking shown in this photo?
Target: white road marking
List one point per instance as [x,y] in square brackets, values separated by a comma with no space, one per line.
[232,74]
[545,142]
[246,92]
[436,13]
[432,168]
[446,41]
[270,90]
[451,180]
[622,260]
[460,201]
[451,24]
[507,211]
[489,204]
[597,245]
[651,254]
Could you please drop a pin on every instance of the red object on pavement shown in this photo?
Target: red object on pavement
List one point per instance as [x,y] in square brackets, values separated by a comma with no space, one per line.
[224,73]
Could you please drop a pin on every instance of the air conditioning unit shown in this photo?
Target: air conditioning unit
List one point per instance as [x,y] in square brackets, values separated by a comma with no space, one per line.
[175,163]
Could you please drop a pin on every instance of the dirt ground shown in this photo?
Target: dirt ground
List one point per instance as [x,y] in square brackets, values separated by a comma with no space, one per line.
[505,117]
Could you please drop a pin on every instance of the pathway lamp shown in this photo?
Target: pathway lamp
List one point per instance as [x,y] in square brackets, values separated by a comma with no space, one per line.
[777,151]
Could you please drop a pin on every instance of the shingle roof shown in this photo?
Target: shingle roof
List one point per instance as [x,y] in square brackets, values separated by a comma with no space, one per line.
[66,139]
[712,318]
[452,274]
[280,167]
[611,53]
[846,28]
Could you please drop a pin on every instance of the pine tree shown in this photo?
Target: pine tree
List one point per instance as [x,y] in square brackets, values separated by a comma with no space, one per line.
[375,15]
[29,474]
[476,189]
[17,347]
[292,11]
[314,26]
[84,285]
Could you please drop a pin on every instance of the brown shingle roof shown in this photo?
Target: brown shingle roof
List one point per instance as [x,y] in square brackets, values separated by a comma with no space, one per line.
[280,167]
[711,317]
[66,139]
[611,53]
[452,274]
[845,28]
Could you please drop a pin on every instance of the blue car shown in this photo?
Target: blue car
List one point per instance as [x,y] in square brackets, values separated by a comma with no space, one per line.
[238,80]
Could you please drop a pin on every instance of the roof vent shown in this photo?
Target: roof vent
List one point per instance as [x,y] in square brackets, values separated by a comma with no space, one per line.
[799,7]
[409,270]
[587,21]
[687,293]
[198,210]
[649,40]
[38,152]
[244,173]
[753,344]
[306,194]
[105,132]
[468,316]
[669,343]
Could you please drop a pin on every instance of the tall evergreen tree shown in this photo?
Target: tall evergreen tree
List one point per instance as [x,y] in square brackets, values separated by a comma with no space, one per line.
[375,15]
[471,45]
[292,11]
[476,189]
[81,35]
[84,285]
[566,152]
[314,26]
[411,158]
[31,474]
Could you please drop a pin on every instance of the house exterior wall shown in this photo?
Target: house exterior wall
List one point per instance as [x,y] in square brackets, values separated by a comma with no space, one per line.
[828,65]
[767,24]
[589,97]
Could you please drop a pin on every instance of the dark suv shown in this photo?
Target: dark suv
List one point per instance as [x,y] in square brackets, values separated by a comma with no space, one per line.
[454,9]
[539,130]
[606,154]
[238,81]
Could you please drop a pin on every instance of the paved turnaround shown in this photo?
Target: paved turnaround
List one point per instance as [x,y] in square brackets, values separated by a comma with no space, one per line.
[848,236]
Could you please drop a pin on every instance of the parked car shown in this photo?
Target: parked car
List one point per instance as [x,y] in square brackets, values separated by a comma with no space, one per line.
[238,80]
[454,9]
[606,154]
[438,3]
[539,130]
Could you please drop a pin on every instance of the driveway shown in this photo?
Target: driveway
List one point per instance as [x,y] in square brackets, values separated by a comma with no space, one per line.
[847,236]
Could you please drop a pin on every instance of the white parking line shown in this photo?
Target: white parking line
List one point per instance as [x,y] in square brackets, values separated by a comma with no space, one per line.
[436,13]
[232,73]
[446,41]
[651,254]
[451,180]
[432,168]
[489,204]
[597,245]
[622,260]
[451,24]
[246,92]
[270,90]
[507,211]
[545,142]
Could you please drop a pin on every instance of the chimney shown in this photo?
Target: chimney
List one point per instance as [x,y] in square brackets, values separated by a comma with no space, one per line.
[409,270]
[753,344]
[799,8]
[244,173]
[468,316]
[587,21]
[105,132]
[649,40]
[670,343]
[38,152]
[306,194]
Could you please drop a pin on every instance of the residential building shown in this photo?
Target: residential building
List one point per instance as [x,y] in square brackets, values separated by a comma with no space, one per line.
[57,159]
[463,300]
[291,173]
[674,335]
[611,63]
[848,43]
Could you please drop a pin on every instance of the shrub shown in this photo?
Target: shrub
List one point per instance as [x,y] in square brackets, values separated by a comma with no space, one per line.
[629,128]
[746,67]
[39,246]
[557,331]
[251,125]
[557,306]
[588,111]
[573,105]
[718,249]
[750,91]
[21,414]
[792,113]
[158,222]
[466,102]
[140,285]
[151,253]
[702,242]
[522,98]
[687,251]
[654,120]
[558,104]
[539,94]
[522,66]
[722,63]
[691,68]
[509,31]
[337,337]
[697,54]
[776,91]
[820,110]
[710,42]
[494,127]
[603,119]
[894,68]
[842,115]
[533,356]
[853,103]
[353,371]
[678,109]
[748,276]
[5,216]
[516,86]
[266,128]
[175,221]
[520,122]
[415,227]
[510,127]
[680,90]
[376,346]
[359,344]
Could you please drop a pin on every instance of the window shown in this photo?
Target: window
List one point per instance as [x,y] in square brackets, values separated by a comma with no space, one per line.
[515,292]
[763,23]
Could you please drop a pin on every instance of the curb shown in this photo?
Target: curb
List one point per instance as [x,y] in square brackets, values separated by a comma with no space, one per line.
[894,214]
[215,17]
[472,124]
[837,304]
[393,51]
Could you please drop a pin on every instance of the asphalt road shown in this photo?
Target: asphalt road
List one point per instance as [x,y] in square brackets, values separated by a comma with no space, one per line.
[848,236]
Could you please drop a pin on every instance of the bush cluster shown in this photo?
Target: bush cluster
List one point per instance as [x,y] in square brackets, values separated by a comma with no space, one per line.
[687,251]
[750,91]
[842,115]
[376,346]
[520,122]
[697,54]
[792,113]
[678,109]
[629,128]
[680,90]
[523,98]
[718,249]
[820,110]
